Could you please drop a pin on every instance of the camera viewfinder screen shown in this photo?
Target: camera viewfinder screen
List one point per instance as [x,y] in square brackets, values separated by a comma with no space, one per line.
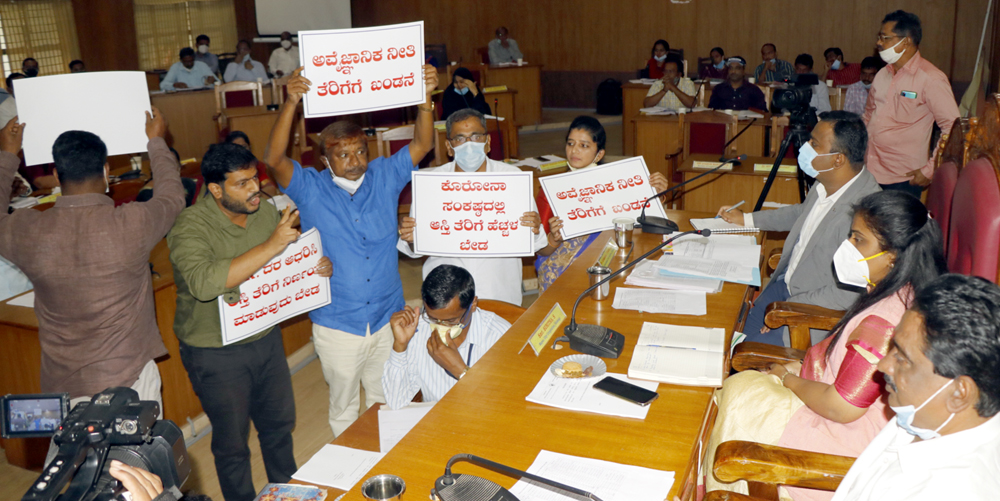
[34,415]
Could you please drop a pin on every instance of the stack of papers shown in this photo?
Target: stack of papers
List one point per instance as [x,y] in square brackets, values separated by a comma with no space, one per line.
[644,81]
[543,163]
[660,301]
[744,114]
[393,425]
[605,480]
[24,202]
[677,354]
[732,258]
[337,466]
[658,110]
[579,395]
[645,274]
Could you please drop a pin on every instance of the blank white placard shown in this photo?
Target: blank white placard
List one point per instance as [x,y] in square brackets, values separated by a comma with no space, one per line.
[111,104]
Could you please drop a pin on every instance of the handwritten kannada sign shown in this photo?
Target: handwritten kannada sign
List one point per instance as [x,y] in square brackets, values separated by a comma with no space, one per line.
[588,200]
[285,287]
[363,69]
[472,215]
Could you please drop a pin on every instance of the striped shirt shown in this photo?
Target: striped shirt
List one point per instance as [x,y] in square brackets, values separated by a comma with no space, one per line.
[415,370]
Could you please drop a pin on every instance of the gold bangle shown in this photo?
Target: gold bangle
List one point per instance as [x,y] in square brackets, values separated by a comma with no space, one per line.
[460,376]
[421,108]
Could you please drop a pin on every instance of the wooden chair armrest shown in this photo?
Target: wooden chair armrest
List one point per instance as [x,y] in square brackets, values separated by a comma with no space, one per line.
[773,259]
[769,464]
[728,496]
[750,355]
[780,313]
[670,156]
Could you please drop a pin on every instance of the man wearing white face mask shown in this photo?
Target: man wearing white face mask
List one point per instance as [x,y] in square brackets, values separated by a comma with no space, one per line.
[772,69]
[284,59]
[499,278]
[432,350]
[906,99]
[941,376]
[835,157]
[837,70]
[204,55]
[857,92]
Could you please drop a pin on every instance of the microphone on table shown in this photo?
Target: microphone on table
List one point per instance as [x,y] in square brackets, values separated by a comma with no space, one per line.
[738,134]
[464,487]
[663,226]
[598,340]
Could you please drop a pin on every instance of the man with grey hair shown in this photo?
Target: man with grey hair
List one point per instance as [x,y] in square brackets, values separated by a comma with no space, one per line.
[469,143]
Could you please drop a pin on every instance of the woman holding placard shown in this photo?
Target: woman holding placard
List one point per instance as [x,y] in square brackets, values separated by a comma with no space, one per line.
[585,143]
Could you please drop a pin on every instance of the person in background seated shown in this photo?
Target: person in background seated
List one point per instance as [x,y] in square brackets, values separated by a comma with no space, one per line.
[857,92]
[432,350]
[203,55]
[820,92]
[772,69]
[657,58]
[906,99]
[187,73]
[941,376]
[585,142]
[244,68]
[717,70]
[503,49]
[462,93]
[8,108]
[837,70]
[77,66]
[240,138]
[736,93]
[833,401]
[835,156]
[29,67]
[284,59]
[499,278]
[672,90]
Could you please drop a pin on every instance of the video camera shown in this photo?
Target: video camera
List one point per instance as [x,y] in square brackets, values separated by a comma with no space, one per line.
[796,97]
[113,425]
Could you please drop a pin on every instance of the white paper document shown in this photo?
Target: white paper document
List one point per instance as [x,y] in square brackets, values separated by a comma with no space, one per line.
[715,224]
[646,274]
[658,110]
[579,395]
[393,425]
[660,301]
[604,479]
[679,354]
[337,466]
[538,162]
[733,258]
[26,300]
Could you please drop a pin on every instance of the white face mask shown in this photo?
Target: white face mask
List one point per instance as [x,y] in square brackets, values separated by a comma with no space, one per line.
[836,65]
[851,266]
[867,85]
[890,55]
[447,331]
[660,59]
[906,413]
[347,185]
[470,155]
[286,44]
[203,49]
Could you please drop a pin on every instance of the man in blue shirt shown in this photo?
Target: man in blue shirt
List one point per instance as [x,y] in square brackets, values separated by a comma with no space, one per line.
[353,203]
[187,73]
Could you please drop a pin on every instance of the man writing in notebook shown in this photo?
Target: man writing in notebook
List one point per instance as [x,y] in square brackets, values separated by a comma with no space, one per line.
[433,349]
[835,156]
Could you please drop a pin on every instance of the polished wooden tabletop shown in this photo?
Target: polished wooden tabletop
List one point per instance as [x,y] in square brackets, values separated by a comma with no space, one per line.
[486,413]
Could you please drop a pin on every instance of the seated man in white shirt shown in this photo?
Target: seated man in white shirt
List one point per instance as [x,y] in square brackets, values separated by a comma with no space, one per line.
[857,93]
[244,68]
[284,59]
[8,108]
[187,73]
[432,350]
[468,143]
[503,49]
[942,379]
[674,90]
[821,93]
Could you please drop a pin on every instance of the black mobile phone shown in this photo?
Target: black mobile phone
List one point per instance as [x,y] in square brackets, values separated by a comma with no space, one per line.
[627,391]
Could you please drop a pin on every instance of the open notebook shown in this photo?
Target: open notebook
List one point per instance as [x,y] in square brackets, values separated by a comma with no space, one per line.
[678,354]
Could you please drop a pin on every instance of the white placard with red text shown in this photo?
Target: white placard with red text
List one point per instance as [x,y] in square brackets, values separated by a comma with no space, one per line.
[363,69]
[285,287]
[472,215]
[588,200]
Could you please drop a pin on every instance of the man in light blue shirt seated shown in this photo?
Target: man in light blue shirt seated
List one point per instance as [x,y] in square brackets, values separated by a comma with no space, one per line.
[434,349]
[243,68]
[187,73]
[503,49]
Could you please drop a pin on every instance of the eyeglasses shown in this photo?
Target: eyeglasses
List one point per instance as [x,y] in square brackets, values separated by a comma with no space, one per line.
[475,137]
[447,323]
[885,38]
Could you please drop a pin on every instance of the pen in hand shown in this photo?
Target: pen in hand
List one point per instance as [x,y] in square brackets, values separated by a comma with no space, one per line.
[738,204]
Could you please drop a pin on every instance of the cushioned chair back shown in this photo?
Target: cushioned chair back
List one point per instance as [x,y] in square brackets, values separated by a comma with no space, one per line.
[496,146]
[707,138]
[940,194]
[238,98]
[974,229]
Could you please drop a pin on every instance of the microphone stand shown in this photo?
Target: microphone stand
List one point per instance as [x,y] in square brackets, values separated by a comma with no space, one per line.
[662,226]
[443,483]
[738,134]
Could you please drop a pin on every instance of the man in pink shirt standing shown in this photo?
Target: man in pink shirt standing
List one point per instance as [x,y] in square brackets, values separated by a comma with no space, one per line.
[907,97]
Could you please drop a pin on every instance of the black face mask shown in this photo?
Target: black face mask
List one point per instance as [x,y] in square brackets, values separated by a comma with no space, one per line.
[31,72]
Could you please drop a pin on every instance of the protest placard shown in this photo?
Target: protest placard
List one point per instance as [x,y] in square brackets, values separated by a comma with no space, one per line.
[472,215]
[285,287]
[363,69]
[111,104]
[588,200]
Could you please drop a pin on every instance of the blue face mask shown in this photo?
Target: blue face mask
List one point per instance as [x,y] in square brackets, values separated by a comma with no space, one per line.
[906,413]
[470,155]
[719,65]
[462,91]
[806,156]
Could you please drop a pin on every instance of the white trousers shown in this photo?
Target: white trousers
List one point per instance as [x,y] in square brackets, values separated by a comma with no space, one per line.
[148,386]
[349,360]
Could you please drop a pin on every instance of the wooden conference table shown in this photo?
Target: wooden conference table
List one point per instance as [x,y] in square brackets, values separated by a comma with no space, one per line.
[486,413]
[743,182]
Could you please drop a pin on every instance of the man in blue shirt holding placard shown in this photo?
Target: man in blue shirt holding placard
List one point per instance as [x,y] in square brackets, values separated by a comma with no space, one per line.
[353,203]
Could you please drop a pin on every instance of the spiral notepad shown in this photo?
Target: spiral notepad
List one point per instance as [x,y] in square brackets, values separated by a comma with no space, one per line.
[719,225]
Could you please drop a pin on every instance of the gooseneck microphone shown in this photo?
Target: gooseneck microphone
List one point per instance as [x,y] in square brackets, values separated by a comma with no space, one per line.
[738,134]
[464,487]
[662,226]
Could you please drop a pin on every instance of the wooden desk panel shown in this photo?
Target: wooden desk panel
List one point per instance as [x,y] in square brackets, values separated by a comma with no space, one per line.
[632,96]
[742,183]
[505,103]
[256,122]
[655,137]
[527,80]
